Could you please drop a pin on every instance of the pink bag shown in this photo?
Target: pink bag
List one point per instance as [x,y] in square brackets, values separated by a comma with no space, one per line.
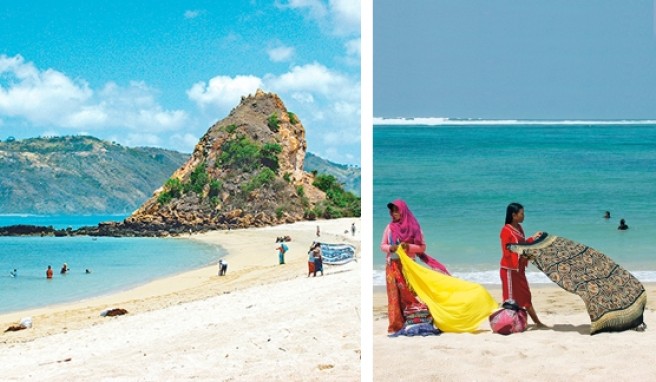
[509,319]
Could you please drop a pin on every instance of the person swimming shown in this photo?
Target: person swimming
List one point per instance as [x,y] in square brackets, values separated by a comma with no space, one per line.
[622,225]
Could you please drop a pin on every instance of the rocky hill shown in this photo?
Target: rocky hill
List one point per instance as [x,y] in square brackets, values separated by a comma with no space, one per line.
[247,170]
[80,175]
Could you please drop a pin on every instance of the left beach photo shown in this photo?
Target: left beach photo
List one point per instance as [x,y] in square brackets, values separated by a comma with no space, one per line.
[181,191]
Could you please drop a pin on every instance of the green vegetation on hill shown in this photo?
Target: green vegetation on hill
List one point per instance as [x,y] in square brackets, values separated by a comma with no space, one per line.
[348,176]
[80,175]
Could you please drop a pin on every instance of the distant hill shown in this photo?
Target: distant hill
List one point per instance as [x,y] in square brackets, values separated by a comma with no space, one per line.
[347,175]
[80,175]
[84,175]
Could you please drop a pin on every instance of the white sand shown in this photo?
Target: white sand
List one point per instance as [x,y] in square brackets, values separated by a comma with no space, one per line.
[563,352]
[261,321]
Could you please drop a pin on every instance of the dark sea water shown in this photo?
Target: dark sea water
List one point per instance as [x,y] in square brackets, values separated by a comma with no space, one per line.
[458,181]
[115,263]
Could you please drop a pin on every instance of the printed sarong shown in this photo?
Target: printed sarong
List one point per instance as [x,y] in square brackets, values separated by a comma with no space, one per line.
[614,298]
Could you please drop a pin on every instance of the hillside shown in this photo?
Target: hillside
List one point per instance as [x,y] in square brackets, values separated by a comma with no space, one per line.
[348,176]
[80,175]
[247,170]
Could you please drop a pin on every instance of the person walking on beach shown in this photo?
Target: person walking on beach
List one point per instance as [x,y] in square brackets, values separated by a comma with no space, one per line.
[513,267]
[49,272]
[622,226]
[352,229]
[223,267]
[318,259]
[282,249]
[318,231]
[311,262]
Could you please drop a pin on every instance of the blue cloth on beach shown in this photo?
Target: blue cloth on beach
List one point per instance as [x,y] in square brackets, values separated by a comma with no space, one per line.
[423,329]
[336,254]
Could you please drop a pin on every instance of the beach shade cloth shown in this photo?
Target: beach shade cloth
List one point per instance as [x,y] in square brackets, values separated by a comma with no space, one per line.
[456,305]
[336,254]
[614,298]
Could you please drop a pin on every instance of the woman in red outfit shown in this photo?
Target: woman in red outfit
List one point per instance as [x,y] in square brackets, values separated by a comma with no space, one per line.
[403,231]
[513,267]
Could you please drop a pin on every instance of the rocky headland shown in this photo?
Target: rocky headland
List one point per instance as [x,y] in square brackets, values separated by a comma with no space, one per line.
[246,171]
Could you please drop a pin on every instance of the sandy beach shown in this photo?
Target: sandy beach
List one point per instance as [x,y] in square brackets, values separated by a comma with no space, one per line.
[261,320]
[564,351]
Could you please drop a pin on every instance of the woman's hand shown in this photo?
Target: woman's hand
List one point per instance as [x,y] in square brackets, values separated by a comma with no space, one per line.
[537,235]
[393,248]
[406,248]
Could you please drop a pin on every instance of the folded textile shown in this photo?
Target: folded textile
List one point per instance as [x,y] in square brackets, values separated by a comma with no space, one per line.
[424,329]
[418,320]
[614,298]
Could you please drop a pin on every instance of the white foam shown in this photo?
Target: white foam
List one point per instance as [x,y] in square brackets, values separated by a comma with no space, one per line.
[491,277]
[441,121]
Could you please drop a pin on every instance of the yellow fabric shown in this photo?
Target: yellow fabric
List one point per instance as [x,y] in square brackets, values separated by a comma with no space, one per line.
[455,304]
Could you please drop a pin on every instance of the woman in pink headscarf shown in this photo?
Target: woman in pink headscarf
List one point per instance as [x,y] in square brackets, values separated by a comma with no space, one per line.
[404,231]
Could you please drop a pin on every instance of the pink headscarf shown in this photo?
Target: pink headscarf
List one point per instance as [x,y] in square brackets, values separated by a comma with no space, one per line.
[407,229]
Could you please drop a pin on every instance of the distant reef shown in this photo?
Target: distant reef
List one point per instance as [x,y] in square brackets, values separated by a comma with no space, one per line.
[246,171]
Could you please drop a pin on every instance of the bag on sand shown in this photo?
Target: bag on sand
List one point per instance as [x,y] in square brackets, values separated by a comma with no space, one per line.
[509,319]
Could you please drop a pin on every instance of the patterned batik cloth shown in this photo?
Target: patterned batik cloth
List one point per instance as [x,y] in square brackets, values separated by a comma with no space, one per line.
[614,298]
[337,254]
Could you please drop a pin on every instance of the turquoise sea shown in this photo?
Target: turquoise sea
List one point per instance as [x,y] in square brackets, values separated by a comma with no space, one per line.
[458,180]
[115,263]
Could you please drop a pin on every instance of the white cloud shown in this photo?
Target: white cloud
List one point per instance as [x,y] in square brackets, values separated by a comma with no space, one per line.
[280,53]
[346,16]
[353,49]
[338,17]
[191,14]
[183,142]
[38,96]
[315,79]
[223,92]
[50,98]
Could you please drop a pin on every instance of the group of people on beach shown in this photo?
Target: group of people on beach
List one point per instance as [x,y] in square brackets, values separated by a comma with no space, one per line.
[404,232]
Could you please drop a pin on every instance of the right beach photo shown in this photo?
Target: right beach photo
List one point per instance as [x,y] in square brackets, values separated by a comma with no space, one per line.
[514,174]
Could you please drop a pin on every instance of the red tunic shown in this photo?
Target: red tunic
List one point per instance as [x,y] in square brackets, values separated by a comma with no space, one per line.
[513,267]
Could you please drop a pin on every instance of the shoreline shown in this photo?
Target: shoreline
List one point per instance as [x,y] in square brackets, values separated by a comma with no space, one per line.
[183,304]
[242,269]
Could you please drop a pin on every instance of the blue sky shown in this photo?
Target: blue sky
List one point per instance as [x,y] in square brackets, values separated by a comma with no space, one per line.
[486,59]
[161,73]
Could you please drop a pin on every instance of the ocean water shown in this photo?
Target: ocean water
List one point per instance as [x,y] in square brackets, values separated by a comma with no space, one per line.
[458,180]
[115,263]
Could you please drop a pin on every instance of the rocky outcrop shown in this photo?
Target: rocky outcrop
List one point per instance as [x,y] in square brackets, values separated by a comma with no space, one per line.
[247,170]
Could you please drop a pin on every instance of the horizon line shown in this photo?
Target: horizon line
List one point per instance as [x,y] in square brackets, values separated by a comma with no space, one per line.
[443,121]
